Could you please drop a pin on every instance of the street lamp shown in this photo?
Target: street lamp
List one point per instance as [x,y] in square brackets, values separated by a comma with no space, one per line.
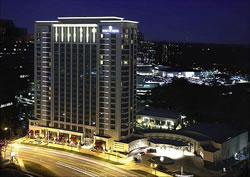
[5,129]
[155,165]
[5,142]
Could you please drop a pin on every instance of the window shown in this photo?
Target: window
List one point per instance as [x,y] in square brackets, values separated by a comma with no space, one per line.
[113,35]
[124,133]
[80,129]
[101,132]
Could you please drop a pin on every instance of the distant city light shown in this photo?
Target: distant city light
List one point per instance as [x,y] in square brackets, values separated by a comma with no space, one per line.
[6,105]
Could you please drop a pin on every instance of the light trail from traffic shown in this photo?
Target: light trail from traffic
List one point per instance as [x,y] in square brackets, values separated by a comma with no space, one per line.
[68,164]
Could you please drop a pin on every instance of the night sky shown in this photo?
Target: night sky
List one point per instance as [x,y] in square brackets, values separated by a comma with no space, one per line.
[208,21]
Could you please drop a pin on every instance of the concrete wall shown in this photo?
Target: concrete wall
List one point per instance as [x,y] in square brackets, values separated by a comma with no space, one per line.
[120,147]
[138,144]
[207,156]
[127,147]
[233,145]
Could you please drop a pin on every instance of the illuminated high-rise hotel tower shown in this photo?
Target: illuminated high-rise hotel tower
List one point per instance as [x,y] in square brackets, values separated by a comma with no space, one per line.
[85,76]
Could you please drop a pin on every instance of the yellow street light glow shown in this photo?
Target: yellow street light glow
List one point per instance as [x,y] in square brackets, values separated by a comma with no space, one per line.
[12,154]
[6,128]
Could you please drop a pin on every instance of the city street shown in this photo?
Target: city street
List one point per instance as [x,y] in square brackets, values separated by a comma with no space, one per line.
[66,164]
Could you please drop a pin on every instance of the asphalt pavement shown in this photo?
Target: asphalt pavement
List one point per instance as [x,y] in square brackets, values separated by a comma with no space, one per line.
[67,164]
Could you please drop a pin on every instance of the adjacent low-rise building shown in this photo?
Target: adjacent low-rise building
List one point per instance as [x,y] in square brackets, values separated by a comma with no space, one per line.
[214,143]
[158,118]
[167,71]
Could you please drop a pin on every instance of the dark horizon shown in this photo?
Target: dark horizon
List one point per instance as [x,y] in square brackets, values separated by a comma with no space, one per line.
[201,43]
[189,21]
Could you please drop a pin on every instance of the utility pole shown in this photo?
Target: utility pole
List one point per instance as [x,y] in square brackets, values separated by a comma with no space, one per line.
[5,148]
[48,136]
[10,128]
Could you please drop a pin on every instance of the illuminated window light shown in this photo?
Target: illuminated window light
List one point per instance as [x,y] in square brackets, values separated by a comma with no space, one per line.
[94,31]
[56,34]
[80,34]
[74,34]
[68,35]
[62,34]
[87,34]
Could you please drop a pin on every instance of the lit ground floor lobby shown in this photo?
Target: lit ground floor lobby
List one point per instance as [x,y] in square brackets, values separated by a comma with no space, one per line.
[58,136]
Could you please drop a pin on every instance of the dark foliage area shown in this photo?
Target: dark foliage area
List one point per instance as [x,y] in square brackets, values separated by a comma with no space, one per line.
[11,67]
[206,104]
[8,117]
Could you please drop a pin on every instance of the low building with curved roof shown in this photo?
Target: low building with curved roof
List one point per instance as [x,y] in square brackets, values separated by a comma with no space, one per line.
[213,142]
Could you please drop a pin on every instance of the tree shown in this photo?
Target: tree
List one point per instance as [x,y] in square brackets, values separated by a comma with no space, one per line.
[205,103]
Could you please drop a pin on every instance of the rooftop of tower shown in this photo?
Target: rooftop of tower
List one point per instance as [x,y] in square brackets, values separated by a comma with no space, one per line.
[104,19]
[91,18]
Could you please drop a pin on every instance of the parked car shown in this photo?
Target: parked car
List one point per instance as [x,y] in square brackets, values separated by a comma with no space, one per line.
[141,153]
[136,160]
[151,150]
[161,168]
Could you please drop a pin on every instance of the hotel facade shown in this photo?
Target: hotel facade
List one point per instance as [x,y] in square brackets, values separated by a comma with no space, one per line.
[85,78]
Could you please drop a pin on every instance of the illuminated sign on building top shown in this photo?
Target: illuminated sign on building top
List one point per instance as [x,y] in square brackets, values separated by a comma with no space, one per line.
[110,29]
